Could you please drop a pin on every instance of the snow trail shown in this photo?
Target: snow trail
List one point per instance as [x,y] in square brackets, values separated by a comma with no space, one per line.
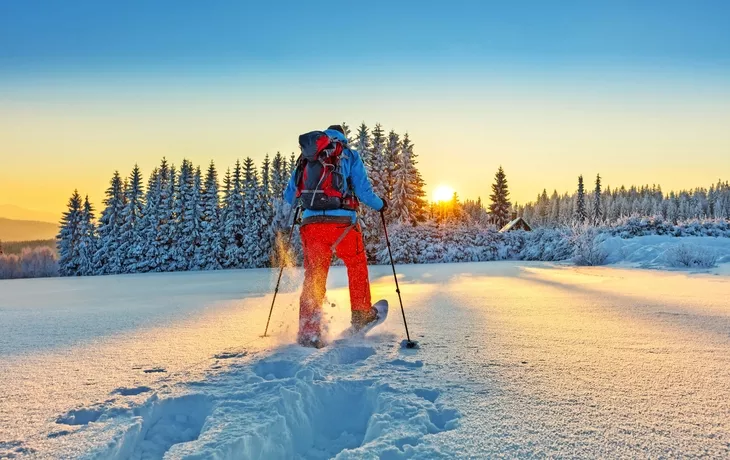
[517,359]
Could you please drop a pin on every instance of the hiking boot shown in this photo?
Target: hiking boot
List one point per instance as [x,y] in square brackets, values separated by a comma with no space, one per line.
[310,333]
[361,318]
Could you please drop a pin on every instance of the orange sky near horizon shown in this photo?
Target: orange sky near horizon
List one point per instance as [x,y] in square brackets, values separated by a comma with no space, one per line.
[62,138]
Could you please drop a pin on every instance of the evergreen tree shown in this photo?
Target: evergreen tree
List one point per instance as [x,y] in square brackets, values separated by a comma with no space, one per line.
[419,203]
[362,143]
[597,210]
[266,176]
[154,219]
[195,223]
[234,226]
[391,163]
[580,205]
[88,244]
[257,237]
[211,245]
[500,204]
[347,132]
[169,229]
[544,207]
[188,214]
[554,209]
[376,163]
[279,176]
[108,257]
[132,239]
[292,164]
[69,238]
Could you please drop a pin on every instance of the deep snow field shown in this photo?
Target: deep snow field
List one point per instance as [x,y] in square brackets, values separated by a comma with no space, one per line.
[517,359]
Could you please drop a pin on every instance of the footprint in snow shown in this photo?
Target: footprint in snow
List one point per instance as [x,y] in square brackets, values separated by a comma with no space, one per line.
[131,391]
[271,369]
[349,355]
[155,370]
[58,434]
[230,355]
[404,363]
[428,395]
[81,416]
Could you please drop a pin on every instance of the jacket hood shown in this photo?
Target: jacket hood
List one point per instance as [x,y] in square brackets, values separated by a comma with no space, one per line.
[334,134]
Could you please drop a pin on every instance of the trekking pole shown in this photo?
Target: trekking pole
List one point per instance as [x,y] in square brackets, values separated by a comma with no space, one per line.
[294,211]
[409,343]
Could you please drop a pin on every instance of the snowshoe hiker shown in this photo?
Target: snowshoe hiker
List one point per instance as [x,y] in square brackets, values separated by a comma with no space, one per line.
[330,181]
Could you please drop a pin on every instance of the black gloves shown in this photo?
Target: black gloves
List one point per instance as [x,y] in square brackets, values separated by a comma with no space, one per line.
[385,206]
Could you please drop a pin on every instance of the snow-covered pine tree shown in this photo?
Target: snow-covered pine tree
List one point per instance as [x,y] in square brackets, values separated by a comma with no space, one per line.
[279,177]
[169,228]
[210,247]
[375,165]
[108,258]
[257,237]
[281,211]
[152,219]
[418,207]
[362,143]
[580,204]
[88,244]
[566,209]
[266,176]
[402,202]
[292,163]
[377,162]
[455,212]
[554,209]
[132,239]
[391,165]
[347,132]
[234,253]
[597,206]
[68,240]
[196,222]
[500,204]
[188,214]
[544,209]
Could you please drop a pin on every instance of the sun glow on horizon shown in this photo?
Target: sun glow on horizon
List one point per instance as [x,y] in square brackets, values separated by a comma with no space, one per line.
[442,193]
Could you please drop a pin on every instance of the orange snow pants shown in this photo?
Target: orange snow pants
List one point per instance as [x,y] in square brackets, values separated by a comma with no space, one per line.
[317,241]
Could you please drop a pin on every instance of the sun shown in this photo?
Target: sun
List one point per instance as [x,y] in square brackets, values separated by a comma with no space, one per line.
[443,193]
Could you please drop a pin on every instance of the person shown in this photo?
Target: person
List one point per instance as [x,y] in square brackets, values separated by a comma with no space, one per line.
[334,229]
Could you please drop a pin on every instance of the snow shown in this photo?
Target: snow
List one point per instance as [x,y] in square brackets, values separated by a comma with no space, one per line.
[654,251]
[517,359]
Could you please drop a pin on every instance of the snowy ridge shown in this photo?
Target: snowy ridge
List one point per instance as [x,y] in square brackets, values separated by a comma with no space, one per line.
[339,402]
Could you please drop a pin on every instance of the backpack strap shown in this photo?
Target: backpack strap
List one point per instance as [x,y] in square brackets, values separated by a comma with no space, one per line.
[342,237]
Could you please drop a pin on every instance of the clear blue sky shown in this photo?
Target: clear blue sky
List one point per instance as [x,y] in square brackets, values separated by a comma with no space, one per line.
[548,89]
[88,35]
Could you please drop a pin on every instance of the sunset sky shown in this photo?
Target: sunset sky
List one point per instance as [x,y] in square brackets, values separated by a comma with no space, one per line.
[638,91]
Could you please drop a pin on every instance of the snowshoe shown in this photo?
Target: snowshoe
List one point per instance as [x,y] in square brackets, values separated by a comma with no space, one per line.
[364,321]
[315,342]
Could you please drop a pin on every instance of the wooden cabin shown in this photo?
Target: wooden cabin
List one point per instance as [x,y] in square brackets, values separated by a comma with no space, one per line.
[518,223]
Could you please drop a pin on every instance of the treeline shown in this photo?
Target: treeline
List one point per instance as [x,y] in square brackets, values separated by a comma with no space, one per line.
[608,206]
[184,219]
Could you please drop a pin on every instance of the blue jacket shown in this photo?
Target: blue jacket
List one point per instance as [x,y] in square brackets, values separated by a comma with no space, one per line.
[351,166]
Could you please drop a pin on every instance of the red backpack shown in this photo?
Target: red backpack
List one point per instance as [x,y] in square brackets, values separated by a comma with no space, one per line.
[321,185]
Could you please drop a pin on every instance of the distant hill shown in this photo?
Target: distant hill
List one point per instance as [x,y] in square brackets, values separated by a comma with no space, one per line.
[24,230]
[10,211]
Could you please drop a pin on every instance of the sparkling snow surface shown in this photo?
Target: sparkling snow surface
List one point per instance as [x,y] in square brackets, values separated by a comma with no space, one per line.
[516,359]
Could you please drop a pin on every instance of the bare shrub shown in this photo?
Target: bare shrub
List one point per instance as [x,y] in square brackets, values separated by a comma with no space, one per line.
[685,255]
[31,263]
[588,250]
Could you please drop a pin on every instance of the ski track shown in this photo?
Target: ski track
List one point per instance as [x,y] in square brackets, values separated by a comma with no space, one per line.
[293,403]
